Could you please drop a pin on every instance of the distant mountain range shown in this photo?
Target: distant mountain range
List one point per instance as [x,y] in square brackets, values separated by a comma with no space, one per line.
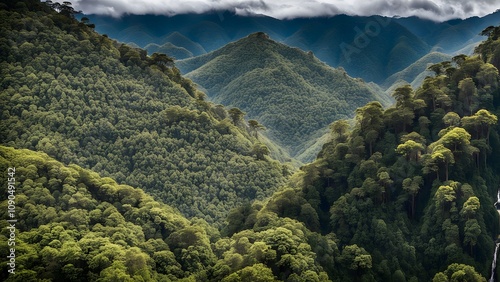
[372,48]
[416,72]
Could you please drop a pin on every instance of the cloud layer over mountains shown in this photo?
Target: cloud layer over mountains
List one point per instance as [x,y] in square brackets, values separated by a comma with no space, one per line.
[437,10]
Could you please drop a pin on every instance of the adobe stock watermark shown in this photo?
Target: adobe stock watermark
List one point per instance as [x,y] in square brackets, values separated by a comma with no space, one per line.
[12,220]
[363,37]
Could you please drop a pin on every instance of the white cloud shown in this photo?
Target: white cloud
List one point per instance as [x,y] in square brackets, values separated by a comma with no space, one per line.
[438,10]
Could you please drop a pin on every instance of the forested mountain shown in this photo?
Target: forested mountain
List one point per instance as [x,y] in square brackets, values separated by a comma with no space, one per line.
[85,99]
[409,190]
[171,47]
[73,225]
[416,72]
[372,48]
[403,193]
[289,91]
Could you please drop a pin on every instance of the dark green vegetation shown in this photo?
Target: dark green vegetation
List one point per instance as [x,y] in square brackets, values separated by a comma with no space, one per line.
[281,80]
[404,194]
[74,225]
[85,99]
[290,91]
[412,186]
[389,45]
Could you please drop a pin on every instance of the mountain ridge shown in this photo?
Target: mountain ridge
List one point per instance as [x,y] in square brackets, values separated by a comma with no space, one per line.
[106,106]
[280,86]
[415,73]
[222,28]
[399,193]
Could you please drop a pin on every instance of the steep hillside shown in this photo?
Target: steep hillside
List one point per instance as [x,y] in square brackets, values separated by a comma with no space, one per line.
[409,190]
[73,225]
[85,99]
[416,72]
[324,36]
[401,193]
[289,91]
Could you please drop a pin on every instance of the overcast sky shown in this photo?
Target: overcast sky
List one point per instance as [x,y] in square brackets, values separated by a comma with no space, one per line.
[438,10]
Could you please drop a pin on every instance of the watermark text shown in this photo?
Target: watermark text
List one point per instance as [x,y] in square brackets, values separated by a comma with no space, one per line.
[11,220]
[363,37]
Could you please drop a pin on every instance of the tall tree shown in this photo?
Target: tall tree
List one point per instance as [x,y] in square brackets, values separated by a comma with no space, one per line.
[412,186]
[439,156]
[255,127]
[480,123]
[411,150]
[236,115]
[468,95]
[370,122]
[340,130]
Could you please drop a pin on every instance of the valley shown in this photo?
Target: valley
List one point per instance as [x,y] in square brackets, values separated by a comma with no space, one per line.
[251,158]
[293,94]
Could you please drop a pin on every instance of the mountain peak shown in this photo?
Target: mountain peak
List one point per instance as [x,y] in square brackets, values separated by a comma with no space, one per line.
[260,35]
[279,80]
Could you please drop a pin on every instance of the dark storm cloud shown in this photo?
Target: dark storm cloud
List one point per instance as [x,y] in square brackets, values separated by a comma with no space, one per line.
[437,10]
[426,6]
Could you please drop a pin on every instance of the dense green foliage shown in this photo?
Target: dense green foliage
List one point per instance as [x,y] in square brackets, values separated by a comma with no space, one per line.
[402,194]
[291,92]
[409,190]
[74,225]
[85,99]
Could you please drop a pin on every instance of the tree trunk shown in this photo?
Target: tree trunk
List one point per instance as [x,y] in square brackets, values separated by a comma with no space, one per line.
[446,171]
[412,206]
